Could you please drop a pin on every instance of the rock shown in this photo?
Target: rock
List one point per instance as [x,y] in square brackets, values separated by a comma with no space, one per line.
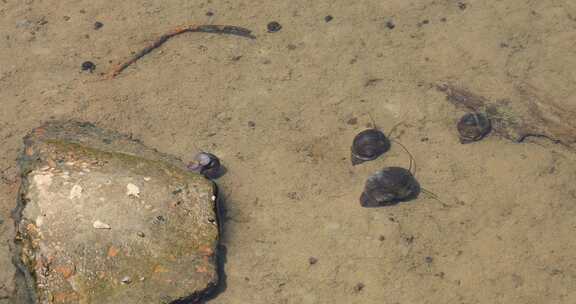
[77,177]
[99,225]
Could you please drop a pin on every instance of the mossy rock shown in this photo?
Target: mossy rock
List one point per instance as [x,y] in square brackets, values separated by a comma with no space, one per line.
[102,218]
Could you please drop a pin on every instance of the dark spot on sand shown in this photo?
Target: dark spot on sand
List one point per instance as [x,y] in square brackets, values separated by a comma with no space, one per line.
[273,27]
[359,287]
[371,82]
[390,24]
[88,66]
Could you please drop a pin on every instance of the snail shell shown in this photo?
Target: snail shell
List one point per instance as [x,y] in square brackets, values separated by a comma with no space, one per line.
[389,186]
[473,127]
[206,164]
[369,145]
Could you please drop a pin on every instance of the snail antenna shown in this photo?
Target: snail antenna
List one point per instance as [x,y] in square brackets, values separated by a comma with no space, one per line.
[394,129]
[412,160]
[374,126]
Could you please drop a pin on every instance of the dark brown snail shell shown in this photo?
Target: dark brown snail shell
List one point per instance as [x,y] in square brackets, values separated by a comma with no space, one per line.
[473,127]
[369,145]
[389,186]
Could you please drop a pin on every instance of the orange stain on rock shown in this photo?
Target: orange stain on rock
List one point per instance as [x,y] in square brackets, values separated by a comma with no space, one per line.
[39,131]
[65,270]
[159,268]
[66,297]
[29,151]
[201,269]
[205,250]
[113,251]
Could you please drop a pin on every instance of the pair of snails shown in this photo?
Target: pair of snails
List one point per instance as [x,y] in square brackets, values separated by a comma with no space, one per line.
[392,185]
[389,185]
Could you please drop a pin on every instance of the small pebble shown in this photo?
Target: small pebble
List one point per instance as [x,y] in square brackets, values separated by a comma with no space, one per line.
[359,287]
[132,190]
[100,225]
[88,66]
[312,260]
[273,27]
[98,25]
[126,280]
[328,18]
[140,234]
[251,124]
[352,121]
[159,220]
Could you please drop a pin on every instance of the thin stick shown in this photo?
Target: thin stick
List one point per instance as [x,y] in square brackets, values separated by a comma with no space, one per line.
[213,29]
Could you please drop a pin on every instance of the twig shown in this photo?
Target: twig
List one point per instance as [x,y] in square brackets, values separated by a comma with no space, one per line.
[213,29]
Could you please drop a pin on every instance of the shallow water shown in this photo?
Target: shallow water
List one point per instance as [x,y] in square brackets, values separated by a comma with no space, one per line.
[281,112]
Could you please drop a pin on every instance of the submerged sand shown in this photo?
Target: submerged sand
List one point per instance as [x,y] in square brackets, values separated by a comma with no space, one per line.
[281,112]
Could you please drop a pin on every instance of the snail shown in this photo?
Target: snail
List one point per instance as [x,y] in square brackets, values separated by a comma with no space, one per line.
[369,145]
[473,127]
[389,186]
[206,164]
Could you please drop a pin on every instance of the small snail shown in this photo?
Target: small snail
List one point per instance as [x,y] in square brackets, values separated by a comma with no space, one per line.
[473,127]
[206,164]
[369,145]
[389,186]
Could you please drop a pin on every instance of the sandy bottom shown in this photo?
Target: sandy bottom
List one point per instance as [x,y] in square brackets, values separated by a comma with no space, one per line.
[281,112]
